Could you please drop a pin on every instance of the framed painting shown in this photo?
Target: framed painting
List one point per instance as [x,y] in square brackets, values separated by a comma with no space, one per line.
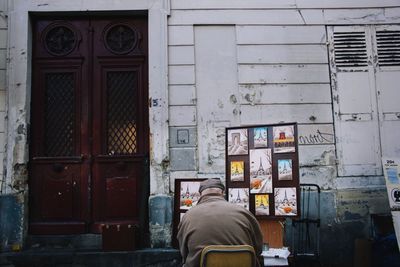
[284,139]
[285,169]
[261,204]
[260,171]
[186,197]
[239,196]
[237,142]
[237,171]
[285,199]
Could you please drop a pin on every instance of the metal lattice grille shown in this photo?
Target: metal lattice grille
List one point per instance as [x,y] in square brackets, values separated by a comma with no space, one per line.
[60,117]
[350,49]
[121,113]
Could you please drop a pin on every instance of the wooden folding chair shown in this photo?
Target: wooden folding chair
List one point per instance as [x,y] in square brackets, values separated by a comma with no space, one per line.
[228,256]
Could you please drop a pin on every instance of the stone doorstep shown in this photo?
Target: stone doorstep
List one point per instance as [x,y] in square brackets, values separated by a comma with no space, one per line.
[91,258]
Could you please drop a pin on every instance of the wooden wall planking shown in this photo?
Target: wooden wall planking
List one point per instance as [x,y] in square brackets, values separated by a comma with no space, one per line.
[216,87]
[263,74]
[301,113]
[182,95]
[317,155]
[263,34]
[338,16]
[315,134]
[181,55]
[182,116]
[285,93]
[240,4]
[270,54]
[181,74]
[273,232]
[180,35]
[232,17]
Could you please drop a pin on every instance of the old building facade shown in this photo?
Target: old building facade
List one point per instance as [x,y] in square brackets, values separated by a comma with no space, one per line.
[199,66]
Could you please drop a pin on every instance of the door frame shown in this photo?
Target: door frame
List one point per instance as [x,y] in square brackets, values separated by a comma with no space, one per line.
[19,85]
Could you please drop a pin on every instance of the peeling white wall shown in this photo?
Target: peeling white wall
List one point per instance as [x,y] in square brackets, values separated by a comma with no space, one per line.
[278,69]
[3,88]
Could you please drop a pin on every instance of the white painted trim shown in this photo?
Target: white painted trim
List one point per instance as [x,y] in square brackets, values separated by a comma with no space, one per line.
[19,82]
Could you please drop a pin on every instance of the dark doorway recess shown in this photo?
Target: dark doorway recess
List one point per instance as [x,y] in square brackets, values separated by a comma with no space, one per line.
[89,140]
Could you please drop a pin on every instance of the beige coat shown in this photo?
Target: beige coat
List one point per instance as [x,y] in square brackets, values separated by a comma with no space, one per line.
[214,221]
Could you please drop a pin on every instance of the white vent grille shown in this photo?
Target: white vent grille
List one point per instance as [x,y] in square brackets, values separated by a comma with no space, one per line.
[350,49]
[388,43]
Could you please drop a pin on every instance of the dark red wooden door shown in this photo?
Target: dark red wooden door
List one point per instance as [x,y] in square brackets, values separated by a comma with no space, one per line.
[89,126]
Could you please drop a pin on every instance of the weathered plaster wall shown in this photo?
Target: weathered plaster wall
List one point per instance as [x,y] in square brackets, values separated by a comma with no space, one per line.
[3,64]
[277,69]
[19,86]
[266,62]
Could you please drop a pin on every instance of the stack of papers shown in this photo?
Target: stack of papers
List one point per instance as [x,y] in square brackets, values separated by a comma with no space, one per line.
[276,257]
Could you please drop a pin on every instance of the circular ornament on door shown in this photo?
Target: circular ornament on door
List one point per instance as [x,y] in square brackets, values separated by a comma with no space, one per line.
[120,39]
[60,40]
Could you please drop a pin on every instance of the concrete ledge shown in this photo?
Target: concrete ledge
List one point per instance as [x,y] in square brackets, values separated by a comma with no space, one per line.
[73,258]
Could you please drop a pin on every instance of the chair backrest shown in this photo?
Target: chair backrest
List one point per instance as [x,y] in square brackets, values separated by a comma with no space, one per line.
[228,256]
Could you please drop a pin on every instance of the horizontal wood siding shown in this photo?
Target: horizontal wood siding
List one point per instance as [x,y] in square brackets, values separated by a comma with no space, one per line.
[181,74]
[182,115]
[263,74]
[181,55]
[182,95]
[262,34]
[282,71]
[270,54]
[301,113]
[299,16]
[240,4]
[180,35]
[285,93]
[250,16]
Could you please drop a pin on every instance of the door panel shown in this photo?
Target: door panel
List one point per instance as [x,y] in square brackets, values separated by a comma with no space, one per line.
[119,120]
[89,124]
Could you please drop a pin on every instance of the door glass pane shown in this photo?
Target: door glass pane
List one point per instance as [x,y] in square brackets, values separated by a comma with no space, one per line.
[60,115]
[121,113]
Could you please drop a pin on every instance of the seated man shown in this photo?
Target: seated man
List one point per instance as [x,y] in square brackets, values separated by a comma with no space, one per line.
[214,221]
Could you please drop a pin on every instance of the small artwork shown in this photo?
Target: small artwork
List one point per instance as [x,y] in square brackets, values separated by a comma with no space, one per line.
[285,169]
[260,137]
[237,142]
[189,194]
[285,201]
[393,175]
[239,196]
[262,204]
[284,139]
[260,171]
[237,171]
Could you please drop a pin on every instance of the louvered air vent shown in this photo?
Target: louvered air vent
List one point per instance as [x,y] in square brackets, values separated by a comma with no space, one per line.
[350,49]
[388,48]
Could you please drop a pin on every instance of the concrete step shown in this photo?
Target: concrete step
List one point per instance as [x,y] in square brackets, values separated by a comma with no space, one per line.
[42,257]
[78,242]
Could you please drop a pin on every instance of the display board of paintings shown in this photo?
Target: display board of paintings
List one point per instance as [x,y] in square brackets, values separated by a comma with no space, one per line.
[262,169]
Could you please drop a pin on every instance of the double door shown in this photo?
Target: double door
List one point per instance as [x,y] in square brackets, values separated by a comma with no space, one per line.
[89,124]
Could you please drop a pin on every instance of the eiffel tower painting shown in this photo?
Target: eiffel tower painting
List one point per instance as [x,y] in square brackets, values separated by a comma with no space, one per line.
[285,169]
[239,196]
[260,171]
[260,137]
[262,204]
[285,201]
[237,171]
